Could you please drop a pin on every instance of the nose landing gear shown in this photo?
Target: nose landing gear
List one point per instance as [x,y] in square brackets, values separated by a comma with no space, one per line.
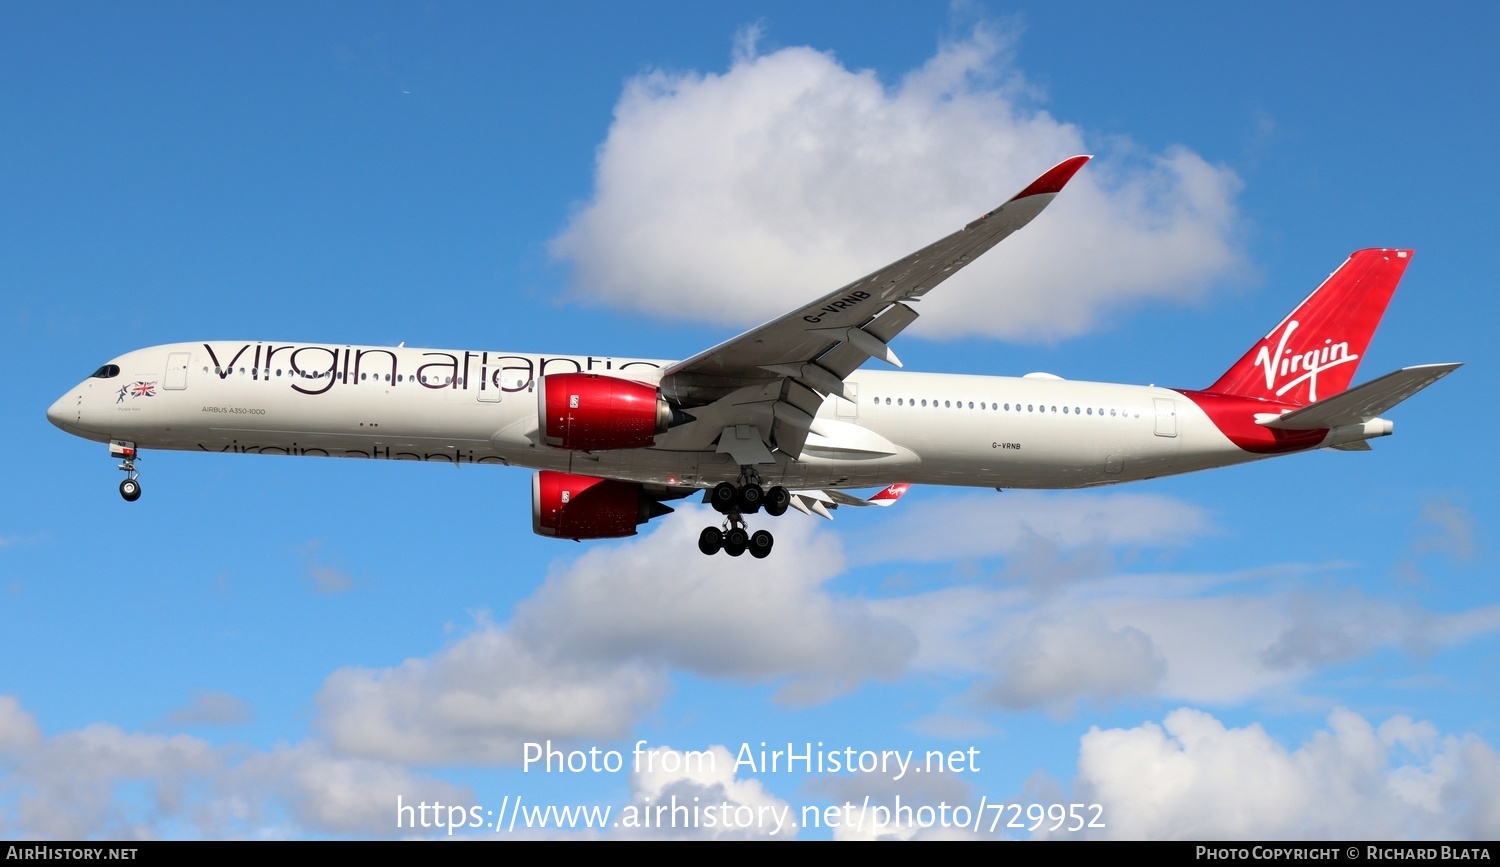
[734,502]
[130,489]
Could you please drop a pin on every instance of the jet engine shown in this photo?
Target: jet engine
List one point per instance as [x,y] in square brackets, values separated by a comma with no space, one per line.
[583,507]
[589,412]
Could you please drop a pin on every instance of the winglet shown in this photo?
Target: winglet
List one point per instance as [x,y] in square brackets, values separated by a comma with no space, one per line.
[890,495]
[1055,178]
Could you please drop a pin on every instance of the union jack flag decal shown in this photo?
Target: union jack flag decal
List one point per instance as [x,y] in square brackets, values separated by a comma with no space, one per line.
[137,389]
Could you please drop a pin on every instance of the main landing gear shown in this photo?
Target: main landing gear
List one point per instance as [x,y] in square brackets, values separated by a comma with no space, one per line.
[130,489]
[734,502]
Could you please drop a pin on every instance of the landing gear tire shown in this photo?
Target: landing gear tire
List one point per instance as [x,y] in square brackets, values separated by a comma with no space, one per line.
[777,501]
[130,489]
[760,544]
[710,540]
[735,542]
[724,498]
[751,497]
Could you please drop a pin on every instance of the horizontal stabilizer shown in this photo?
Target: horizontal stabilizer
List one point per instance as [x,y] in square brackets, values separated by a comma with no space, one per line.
[1362,403]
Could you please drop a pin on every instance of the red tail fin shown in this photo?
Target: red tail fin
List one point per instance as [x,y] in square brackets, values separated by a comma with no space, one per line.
[1312,354]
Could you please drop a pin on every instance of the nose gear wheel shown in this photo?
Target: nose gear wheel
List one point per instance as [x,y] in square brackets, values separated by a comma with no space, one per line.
[130,489]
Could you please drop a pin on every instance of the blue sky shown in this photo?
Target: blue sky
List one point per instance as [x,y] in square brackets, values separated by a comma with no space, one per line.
[274,647]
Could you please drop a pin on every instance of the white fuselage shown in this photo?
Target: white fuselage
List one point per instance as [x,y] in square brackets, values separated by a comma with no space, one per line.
[398,403]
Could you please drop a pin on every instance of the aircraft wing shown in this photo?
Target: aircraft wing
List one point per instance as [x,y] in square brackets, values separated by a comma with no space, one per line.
[775,377]
[818,502]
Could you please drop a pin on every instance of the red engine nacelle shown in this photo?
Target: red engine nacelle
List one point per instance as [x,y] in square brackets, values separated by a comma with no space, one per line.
[583,507]
[589,412]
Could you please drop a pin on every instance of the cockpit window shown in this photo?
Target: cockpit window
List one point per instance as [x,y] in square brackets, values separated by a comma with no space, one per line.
[108,371]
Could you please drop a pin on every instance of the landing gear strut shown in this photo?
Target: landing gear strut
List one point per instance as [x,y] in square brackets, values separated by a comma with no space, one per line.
[734,501]
[130,489]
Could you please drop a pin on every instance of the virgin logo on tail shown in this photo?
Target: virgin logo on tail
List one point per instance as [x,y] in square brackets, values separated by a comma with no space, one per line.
[1309,363]
[1320,342]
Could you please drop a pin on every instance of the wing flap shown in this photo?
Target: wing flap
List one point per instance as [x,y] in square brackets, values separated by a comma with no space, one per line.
[846,358]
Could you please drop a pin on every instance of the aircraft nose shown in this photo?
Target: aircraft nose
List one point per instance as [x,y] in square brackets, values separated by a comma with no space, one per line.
[62,411]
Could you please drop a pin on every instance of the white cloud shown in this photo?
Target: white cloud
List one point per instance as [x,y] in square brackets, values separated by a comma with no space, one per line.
[592,653]
[1058,659]
[1448,529]
[1117,637]
[591,650]
[479,700]
[67,784]
[877,806]
[1193,778]
[1325,630]
[18,729]
[101,782]
[326,578]
[325,791]
[211,708]
[678,794]
[720,616]
[737,196]
[953,528]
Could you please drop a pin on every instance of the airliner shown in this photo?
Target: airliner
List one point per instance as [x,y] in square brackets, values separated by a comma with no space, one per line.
[784,416]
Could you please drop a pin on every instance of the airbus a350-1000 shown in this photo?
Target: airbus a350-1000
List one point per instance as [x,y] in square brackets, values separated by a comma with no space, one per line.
[783,416]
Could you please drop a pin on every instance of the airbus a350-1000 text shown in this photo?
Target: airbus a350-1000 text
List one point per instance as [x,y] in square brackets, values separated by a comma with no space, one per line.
[783,416]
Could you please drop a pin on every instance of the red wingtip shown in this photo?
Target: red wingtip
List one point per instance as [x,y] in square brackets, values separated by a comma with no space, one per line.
[1055,178]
